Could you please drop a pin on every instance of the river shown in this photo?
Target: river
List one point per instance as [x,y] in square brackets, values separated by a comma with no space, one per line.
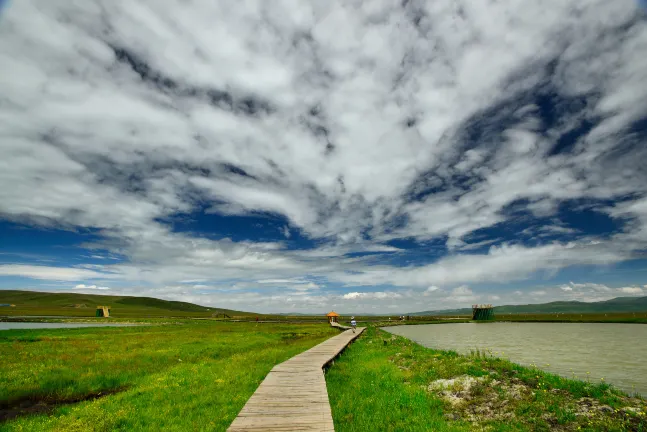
[34,325]
[615,352]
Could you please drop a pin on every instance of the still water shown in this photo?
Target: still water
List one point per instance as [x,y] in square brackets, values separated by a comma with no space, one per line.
[615,352]
[24,325]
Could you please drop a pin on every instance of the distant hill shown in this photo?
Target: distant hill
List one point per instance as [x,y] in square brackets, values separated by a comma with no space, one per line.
[618,304]
[77,304]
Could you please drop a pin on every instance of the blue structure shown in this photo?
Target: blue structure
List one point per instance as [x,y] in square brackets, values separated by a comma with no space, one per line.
[484,312]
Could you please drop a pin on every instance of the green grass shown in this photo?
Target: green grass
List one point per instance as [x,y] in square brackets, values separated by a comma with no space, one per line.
[197,375]
[30,303]
[188,376]
[84,305]
[615,305]
[617,317]
[380,383]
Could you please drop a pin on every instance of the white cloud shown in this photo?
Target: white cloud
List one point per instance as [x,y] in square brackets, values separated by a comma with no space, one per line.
[281,281]
[501,264]
[371,295]
[462,290]
[588,287]
[286,231]
[301,110]
[589,291]
[631,290]
[49,273]
[91,287]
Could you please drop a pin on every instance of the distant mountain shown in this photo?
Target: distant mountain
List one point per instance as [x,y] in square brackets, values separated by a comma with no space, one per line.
[618,304]
[78,304]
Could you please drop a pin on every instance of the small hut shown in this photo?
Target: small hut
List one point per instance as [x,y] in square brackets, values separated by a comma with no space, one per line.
[103,311]
[332,317]
[483,312]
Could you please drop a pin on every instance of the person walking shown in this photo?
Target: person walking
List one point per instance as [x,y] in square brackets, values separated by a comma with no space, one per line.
[353,323]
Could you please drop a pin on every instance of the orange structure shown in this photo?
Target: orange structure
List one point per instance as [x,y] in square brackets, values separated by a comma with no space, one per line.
[332,317]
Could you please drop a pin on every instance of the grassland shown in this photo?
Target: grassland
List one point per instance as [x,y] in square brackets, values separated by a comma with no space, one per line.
[617,317]
[384,382]
[614,305]
[185,375]
[77,305]
[620,317]
[31,303]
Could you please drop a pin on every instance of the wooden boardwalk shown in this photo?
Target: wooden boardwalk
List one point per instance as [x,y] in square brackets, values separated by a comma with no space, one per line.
[293,396]
[339,326]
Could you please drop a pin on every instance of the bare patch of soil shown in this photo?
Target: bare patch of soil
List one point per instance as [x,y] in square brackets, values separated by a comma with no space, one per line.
[43,405]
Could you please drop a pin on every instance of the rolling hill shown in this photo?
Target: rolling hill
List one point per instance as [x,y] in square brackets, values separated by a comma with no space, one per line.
[618,304]
[77,304]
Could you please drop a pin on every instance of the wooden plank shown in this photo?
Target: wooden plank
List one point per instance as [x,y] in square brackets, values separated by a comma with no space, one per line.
[336,324]
[293,396]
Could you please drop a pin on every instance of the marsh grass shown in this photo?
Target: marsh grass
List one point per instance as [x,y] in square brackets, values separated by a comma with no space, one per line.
[189,376]
[381,383]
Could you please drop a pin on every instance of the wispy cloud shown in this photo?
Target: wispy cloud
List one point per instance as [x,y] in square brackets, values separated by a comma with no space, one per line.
[50,273]
[358,125]
[91,287]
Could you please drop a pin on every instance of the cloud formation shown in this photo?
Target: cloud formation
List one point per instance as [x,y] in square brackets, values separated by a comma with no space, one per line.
[91,287]
[490,130]
[588,291]
[49,273]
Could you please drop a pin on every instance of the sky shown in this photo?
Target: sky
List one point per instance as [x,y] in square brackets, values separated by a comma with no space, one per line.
[358,156]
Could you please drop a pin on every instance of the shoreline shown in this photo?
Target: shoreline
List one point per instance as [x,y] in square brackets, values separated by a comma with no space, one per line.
[449,391]
[590,352]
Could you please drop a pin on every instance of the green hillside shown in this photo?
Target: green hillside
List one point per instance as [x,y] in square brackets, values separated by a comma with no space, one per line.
[616,305]
[77,304]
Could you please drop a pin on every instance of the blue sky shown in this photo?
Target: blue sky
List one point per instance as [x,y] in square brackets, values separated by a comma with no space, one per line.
[367,157]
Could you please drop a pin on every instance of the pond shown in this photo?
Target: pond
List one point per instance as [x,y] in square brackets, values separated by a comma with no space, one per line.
[34,325]
[615,352]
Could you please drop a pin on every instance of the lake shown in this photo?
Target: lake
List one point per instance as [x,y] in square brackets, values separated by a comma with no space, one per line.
[615,352]
[28,325]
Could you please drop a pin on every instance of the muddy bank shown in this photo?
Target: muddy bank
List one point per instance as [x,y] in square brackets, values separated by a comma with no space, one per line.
[45,404]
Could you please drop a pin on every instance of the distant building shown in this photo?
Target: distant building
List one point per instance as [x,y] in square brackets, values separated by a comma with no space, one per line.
[332,316]
[103,311]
